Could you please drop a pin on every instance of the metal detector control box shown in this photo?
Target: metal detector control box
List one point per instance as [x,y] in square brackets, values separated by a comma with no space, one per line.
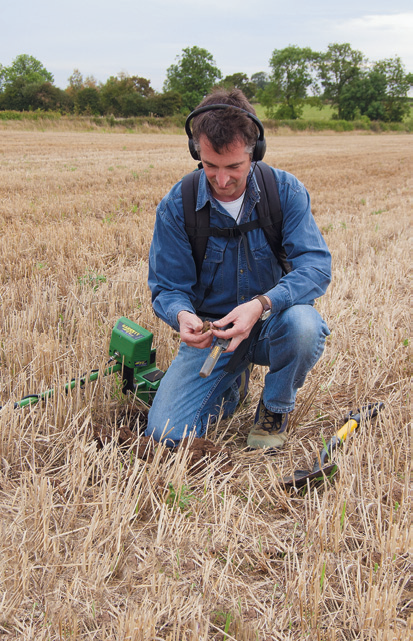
[131,346]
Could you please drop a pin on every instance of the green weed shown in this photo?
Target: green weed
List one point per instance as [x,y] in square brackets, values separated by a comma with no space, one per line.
[227,624]
[322,577]
[343,516]
[327,228]
[180,498]
[92,279]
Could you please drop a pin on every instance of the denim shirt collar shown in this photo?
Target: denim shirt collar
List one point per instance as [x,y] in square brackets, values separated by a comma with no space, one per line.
[251,198]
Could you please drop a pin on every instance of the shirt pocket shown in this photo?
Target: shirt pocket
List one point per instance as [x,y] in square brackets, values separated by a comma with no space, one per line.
[212,271]
[268,269]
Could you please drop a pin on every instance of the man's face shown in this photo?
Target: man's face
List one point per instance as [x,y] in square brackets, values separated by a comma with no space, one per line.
[226,172]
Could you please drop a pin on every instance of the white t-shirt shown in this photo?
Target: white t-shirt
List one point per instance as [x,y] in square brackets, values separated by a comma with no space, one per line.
[233,207]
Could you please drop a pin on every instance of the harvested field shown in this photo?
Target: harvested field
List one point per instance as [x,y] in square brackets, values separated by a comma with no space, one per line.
[104,537]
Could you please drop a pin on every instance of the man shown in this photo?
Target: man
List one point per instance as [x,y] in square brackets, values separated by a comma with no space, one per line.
[234,271]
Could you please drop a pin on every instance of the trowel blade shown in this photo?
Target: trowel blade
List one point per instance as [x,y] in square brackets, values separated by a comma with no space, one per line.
[300,477]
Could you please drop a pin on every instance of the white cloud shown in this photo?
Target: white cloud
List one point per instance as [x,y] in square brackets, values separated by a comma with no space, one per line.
[403,22]
[380,36]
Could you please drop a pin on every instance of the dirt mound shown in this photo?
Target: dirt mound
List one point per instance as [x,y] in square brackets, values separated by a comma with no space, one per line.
[201,452]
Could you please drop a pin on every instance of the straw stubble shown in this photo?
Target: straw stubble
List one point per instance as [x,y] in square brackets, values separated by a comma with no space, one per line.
[101,542]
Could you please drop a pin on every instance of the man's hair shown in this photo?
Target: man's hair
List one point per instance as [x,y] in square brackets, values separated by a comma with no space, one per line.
[224,127]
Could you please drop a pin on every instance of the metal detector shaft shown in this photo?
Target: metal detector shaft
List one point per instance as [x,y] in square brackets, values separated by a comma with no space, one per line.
[32,399]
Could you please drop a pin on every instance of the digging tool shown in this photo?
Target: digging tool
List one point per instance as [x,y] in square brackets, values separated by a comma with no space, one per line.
[220,344]
[324,464]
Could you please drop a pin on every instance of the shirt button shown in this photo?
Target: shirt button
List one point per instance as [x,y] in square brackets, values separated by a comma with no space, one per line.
[242,297]
[241,271]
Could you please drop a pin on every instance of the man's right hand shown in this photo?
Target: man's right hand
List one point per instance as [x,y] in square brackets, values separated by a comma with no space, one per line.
[191,330]
[237,325]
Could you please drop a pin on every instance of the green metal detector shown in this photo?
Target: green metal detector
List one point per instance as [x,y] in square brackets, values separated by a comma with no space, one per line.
[131,346]
[132,354]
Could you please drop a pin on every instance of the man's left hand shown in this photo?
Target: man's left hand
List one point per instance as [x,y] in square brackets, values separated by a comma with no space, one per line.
[243,319]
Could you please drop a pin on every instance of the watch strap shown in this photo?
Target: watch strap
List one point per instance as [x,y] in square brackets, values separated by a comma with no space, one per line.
[265,306]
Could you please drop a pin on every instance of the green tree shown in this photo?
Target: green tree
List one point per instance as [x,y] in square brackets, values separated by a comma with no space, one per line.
[142,86]
[260,79]
[12,96]
[84,93]
[381,92]
[111,93]
[165,104]
[193,76]
[239,81]
[27,69]
[26,84]
[398,84]
[291,76]
[123,95]
[21,96]
[337,68]
[87,101]
[47,97]
[133,104]
[364,96]
[76,82]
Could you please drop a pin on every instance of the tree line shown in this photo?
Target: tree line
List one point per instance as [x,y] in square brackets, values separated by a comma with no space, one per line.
[341,77]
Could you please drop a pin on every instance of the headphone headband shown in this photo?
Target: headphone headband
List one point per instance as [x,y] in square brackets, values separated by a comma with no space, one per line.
[260,145]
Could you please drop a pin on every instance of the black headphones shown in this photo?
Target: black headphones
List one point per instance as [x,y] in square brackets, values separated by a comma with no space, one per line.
[260,145]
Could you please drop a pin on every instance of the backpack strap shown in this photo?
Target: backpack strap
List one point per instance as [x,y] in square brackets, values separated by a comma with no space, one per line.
[270,214]
[268,210]
[195,221]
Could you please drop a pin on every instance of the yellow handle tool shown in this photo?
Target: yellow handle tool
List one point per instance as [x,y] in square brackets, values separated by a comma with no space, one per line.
[325,463]
[347,428]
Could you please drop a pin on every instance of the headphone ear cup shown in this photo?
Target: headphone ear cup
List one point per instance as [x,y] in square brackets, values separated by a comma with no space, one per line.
[259,150]
[192,149]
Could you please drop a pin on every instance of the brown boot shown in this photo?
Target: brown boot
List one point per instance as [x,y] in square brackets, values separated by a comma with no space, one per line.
[269,430]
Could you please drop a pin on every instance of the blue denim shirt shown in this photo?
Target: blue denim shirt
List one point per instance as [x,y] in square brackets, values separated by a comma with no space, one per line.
[235,271]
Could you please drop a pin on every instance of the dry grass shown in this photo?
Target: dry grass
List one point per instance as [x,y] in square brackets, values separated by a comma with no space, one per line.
[99,544]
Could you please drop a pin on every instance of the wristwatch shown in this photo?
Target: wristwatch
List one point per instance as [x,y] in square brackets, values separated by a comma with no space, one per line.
[266,308]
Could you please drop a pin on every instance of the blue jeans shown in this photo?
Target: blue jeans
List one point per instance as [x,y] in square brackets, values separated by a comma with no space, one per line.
[290,343]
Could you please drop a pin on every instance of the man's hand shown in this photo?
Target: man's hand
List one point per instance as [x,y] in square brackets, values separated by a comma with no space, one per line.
[243,319]
[192,330]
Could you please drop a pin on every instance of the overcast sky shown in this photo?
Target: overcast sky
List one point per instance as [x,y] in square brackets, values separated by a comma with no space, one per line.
[143,37]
